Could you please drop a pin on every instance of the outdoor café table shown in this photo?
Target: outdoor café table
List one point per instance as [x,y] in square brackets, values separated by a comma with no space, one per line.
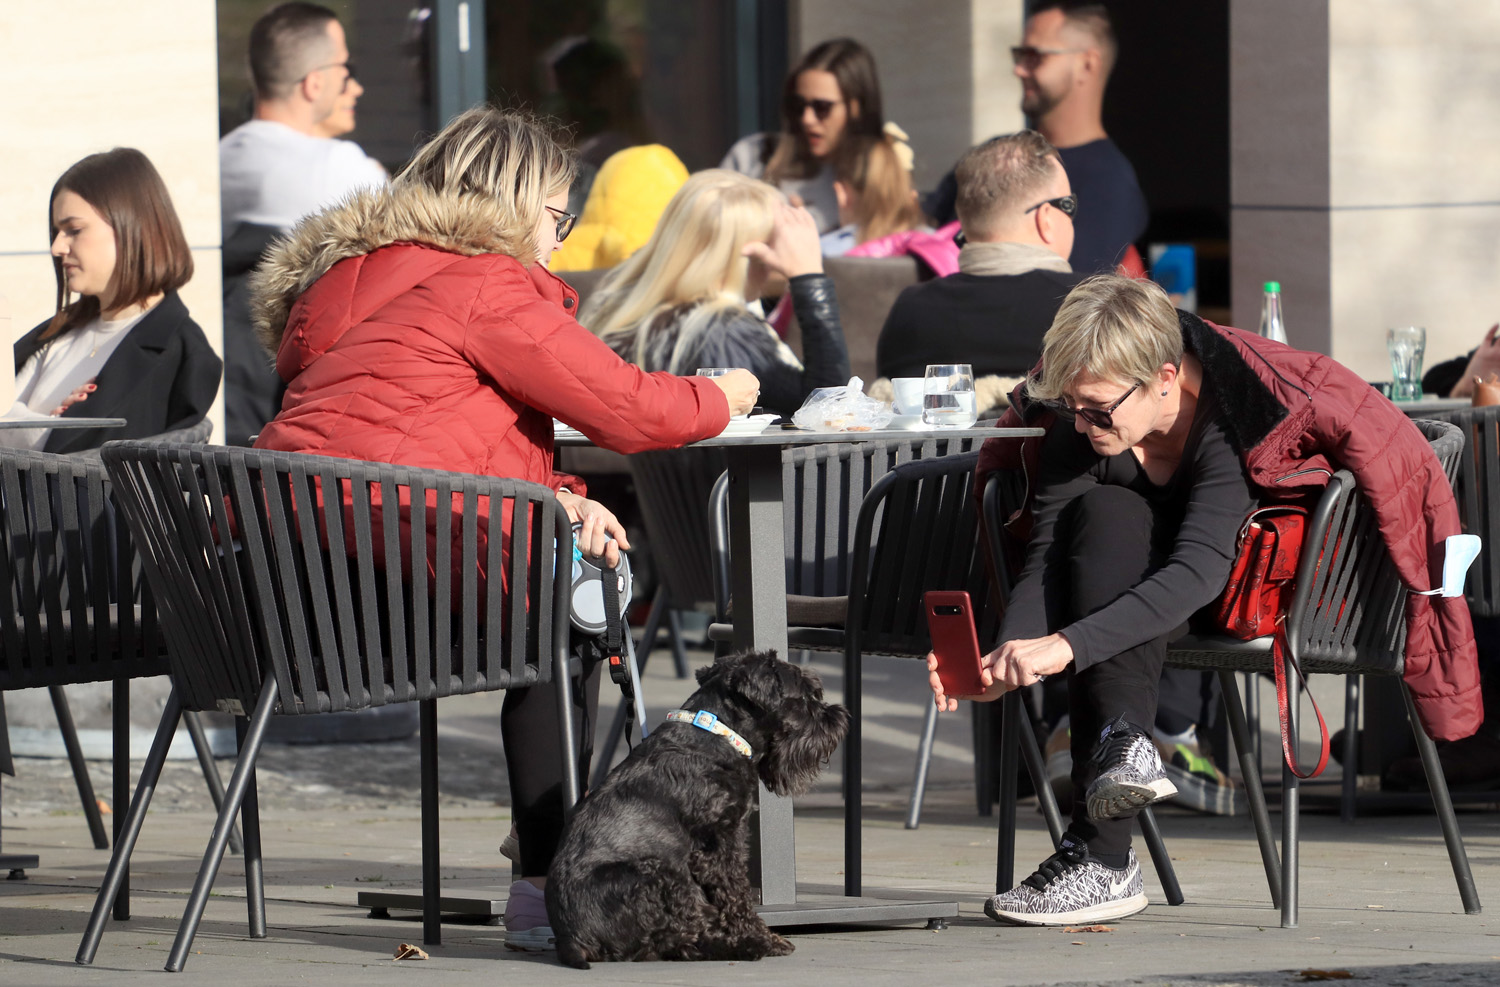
[1429,403]
[16,863]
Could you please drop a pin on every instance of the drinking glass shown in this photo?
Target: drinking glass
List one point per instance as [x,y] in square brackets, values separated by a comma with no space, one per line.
[1406,346]
[712,371]
[948,396]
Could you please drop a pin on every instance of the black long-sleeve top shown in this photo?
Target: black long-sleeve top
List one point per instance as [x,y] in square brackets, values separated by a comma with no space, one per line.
[1203,504]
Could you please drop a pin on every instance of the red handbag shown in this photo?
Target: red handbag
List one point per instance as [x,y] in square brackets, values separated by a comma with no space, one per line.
[1255,599]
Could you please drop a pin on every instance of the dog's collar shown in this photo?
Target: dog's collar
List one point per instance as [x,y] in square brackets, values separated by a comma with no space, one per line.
[704,720]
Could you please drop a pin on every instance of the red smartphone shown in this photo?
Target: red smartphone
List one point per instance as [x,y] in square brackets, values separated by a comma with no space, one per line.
[950,622]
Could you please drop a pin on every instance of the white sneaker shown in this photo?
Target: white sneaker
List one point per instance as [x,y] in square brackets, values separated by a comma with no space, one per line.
[1071,888]
[526,924]
[1130,772]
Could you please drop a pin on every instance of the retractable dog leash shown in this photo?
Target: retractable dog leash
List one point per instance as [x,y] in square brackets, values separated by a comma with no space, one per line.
[601,595]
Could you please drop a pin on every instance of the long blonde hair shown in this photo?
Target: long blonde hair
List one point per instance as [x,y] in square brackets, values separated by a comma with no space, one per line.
[884,202]
[694,257]
[512,159]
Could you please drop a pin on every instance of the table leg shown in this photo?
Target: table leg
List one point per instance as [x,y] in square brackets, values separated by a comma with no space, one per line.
[758,578]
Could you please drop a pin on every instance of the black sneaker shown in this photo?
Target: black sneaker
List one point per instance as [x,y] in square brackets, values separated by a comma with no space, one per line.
[1130,772]
[1071,888]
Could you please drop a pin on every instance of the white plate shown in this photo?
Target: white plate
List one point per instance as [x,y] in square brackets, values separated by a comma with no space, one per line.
[911,422]
[748,426]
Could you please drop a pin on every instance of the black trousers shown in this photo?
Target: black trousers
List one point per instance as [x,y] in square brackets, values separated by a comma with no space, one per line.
[528,728]
[1115,541]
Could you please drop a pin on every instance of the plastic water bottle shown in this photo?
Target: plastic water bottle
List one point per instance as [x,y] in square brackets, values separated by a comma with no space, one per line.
[1271,325]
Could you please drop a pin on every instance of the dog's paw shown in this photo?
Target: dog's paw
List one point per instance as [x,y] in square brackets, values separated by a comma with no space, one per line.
[779,945]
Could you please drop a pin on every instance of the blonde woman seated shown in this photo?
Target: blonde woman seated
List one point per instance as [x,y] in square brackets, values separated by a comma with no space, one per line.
[679,303]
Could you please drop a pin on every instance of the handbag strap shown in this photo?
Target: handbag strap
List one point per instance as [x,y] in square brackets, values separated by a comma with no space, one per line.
[1281,656]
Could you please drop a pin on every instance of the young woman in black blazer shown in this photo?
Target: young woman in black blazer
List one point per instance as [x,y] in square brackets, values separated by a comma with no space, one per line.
[122,344]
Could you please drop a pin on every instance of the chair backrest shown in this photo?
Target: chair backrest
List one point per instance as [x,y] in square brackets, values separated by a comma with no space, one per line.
[821,486]
[867,287]
[74,606]
[917,531]
[1348,612]
[258,573]
[673,488]
[1478,487]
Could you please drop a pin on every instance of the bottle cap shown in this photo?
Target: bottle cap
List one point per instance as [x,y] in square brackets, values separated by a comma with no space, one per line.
[1274,286]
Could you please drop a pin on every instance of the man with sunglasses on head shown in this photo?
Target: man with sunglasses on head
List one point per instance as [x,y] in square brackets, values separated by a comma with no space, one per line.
[276,168]
[1016,211]
[1063,62]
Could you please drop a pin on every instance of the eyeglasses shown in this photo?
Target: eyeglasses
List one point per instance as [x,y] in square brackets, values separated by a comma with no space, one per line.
[796,106]
[1030,56]
[348,68]
[1067,204]
[565,221]
[1097,417]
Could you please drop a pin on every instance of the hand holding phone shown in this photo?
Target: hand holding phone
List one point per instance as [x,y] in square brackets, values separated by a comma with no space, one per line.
[955,644]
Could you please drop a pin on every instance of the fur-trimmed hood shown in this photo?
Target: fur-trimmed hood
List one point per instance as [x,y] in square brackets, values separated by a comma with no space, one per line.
[467,225]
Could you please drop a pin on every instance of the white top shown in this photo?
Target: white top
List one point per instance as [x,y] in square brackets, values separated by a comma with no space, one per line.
[272,175]
[59,368]
[816,192]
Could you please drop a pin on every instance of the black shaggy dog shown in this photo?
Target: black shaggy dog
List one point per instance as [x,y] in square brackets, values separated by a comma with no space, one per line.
[653,865]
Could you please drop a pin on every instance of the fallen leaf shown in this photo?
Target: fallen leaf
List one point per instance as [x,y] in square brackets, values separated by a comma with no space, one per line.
[1076,942]
[1089,928]
[1311,975]
[104,809]
[407,951]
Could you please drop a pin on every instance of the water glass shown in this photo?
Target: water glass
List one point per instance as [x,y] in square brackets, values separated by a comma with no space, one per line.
[1406,346]
[712,371]
[948,396]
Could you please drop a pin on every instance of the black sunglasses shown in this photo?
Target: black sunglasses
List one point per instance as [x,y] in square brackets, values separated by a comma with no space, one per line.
[1067,204]
[1031,56]
[348,68]
[796,106]
[1097,417]
[565,221]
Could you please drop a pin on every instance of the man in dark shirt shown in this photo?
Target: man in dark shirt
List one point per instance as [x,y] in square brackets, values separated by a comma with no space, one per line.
[1016,208]
[1063,62]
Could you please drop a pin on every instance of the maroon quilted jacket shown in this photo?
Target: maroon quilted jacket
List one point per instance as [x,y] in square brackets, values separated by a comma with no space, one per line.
[1294,418]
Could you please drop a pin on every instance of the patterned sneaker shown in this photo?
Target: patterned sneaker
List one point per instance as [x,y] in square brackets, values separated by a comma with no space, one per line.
[526,924]
[1130,772]
[1200,783]
[1071,888]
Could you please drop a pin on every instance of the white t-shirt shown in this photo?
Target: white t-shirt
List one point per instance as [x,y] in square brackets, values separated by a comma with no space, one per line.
[272,175]
[58,369]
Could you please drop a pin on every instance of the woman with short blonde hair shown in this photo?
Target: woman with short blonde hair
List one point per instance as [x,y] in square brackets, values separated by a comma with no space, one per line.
[680,302]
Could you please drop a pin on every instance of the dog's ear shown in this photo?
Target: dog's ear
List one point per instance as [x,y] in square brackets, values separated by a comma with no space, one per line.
[806,735]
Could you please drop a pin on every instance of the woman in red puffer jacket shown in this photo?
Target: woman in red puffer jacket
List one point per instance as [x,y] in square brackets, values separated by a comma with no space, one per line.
[418,324]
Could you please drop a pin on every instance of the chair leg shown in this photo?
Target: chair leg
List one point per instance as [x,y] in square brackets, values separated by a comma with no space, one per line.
[255,887]
[1350,779]
[432,919]
[1250,770]
[130,830]
[211,778]
[1165,872]
[1031,750]
[213,856]
[1290,806]
[605,755]
[853,772]
[120,781]
[924,760]
[1252,717]
[1005,856]
[1458,857]
[986,793]
[679,648]
[80,767]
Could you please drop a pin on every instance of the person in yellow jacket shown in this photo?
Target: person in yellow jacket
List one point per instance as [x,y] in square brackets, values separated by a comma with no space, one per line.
[627,198]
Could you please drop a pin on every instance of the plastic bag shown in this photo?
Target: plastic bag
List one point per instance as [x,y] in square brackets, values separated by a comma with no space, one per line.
[842,409]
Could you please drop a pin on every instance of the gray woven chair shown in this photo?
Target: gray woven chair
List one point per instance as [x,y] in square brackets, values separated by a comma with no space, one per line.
[76,610]
[277,598]
[1347,617]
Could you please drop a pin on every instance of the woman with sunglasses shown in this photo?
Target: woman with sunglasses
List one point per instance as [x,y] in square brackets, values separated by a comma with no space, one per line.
[418,324]
[831,114]
[679,302]
[1163,432]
